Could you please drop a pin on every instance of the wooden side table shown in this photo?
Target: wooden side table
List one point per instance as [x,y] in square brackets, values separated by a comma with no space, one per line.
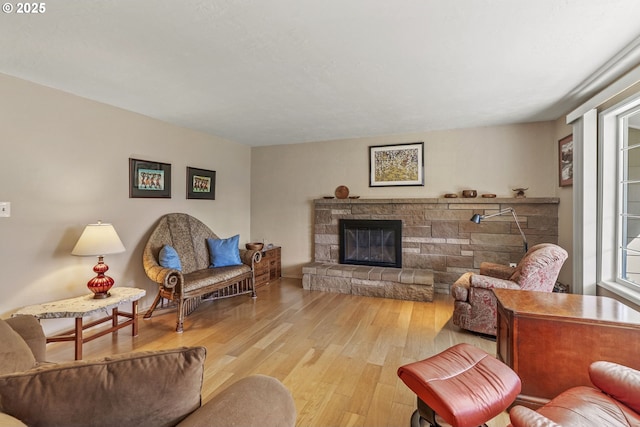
[85,305]
[550,339]
[269,268]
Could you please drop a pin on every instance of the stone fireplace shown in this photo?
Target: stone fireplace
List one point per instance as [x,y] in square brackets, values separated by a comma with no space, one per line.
[374,242]
[437,234]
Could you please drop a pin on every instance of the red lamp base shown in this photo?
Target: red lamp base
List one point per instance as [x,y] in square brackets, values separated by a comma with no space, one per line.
[100,284]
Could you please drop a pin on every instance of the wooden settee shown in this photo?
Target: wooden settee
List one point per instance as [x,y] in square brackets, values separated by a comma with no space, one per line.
[196,280]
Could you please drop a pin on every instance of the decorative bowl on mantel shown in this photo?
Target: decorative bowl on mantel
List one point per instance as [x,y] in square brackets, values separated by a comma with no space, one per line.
[342,192]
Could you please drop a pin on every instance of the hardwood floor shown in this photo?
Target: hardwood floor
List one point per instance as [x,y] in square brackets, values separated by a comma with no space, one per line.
[337,354]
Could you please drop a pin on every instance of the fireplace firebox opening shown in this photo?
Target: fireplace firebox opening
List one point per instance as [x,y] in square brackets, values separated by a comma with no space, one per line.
[370,242]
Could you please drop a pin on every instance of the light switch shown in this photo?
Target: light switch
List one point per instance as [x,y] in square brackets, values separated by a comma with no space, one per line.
[5,209]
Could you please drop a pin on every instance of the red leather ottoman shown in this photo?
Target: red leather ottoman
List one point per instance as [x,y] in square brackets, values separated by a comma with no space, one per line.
[464,385]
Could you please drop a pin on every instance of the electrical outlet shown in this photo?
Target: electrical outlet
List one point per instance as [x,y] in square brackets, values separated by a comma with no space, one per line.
[512,264]
[5,209]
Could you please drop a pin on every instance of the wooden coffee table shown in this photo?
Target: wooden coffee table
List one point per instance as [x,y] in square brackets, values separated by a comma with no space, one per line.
[84,306]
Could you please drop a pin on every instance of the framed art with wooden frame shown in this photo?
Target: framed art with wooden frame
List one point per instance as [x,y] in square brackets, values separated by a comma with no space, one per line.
[396,165]
[565,161]
[148,179]
[201,184]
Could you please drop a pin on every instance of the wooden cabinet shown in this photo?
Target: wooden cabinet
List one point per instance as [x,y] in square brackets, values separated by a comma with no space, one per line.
[269,268]
[550,339]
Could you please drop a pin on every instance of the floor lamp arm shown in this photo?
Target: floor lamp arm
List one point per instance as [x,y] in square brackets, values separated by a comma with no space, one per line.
[524,238]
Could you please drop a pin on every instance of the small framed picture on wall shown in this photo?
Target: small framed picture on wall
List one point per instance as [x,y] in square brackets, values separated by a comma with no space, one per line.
[201,184]
[148,179]
[565,161]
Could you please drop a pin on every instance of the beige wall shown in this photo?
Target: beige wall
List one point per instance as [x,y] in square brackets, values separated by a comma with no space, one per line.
[286,178]
[64,163]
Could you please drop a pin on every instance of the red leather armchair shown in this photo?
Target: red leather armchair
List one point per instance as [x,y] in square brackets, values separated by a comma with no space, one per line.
[614,401]
[475,305]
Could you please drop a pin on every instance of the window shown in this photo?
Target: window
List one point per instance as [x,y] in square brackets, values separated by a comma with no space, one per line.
[629,215]
[619,201]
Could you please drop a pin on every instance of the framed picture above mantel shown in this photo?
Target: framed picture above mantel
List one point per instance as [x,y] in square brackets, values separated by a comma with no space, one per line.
[396,165]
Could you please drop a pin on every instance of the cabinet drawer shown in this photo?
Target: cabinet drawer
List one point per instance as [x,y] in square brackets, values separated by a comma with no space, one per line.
[268,268]
[269,255]
[261,268]
[262,279]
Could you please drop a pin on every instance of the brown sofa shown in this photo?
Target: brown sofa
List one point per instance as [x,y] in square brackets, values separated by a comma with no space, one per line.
[152,388]
[613,402]
[196,280]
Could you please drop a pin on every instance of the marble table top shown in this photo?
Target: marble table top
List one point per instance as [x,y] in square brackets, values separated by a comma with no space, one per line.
[82,306]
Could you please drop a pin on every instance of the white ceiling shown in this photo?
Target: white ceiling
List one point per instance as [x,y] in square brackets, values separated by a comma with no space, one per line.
[264,72]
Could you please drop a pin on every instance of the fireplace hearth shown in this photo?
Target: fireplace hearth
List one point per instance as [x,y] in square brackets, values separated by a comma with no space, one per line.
[370,242]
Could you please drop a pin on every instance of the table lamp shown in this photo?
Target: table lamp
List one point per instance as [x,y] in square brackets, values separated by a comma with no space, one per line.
[477,218]
[99,240]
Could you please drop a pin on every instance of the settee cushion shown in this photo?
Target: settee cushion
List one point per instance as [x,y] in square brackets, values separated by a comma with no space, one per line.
[169,258]
[73,394]
[224,252]
[212,278]
[15,353]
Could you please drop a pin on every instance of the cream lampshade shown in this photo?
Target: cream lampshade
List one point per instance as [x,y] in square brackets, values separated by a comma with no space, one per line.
[99,240]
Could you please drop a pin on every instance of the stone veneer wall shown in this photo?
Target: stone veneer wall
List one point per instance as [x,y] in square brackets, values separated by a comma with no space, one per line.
[437,233]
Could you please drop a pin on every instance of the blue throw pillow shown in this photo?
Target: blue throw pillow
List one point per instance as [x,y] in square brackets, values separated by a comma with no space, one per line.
[224,252]
[169,258]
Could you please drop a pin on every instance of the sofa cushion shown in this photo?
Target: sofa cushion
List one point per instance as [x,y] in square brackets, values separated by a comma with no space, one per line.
[169,258]
[224,252]
[254,401]
[9,421]
[15,354]
[154,388]
[30,330]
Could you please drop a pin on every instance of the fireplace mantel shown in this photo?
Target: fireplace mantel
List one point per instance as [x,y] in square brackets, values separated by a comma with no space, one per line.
[437,233]
[444,200]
